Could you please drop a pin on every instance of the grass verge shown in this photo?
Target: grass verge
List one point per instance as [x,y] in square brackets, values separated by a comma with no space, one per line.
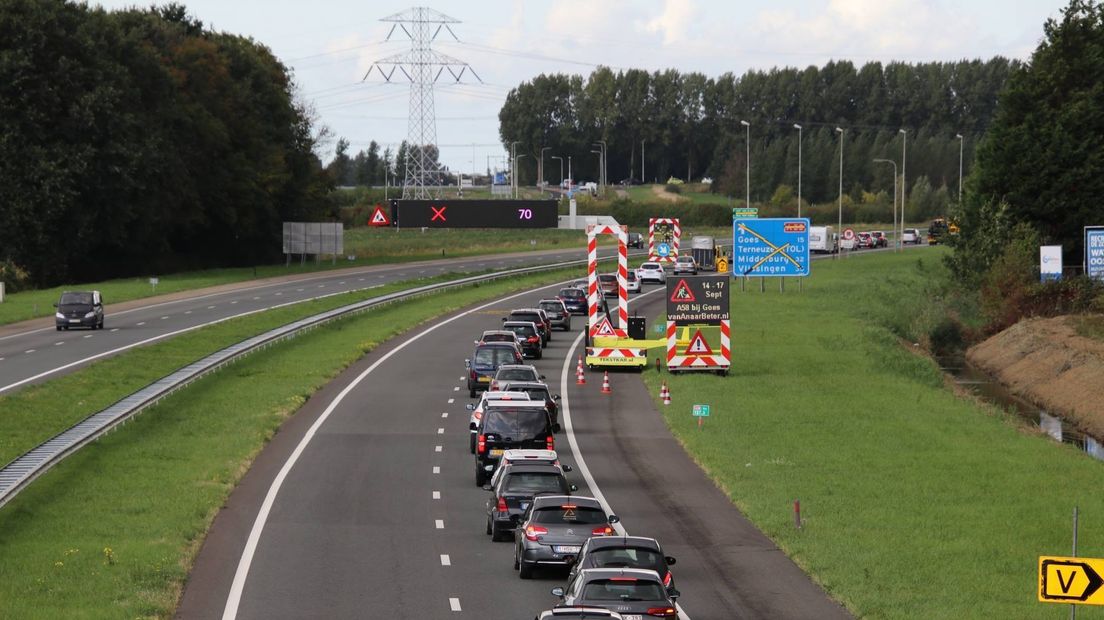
[371,246]
[917,503]
[112,531]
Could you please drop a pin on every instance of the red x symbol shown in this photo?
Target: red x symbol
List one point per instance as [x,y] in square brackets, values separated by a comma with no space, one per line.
[437,213]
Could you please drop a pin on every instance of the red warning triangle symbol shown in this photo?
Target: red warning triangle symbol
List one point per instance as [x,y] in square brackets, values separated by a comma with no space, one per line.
[698,345]
[682,293]
[604,328]
[379,218]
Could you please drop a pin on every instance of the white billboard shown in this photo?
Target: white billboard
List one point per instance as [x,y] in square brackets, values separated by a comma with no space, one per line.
[1050,263]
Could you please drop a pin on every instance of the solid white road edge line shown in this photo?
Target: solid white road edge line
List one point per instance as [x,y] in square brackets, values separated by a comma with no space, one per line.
[580,463]
[233,599]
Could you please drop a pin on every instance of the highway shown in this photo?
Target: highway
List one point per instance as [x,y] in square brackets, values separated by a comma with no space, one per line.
[364,505]
[34,351]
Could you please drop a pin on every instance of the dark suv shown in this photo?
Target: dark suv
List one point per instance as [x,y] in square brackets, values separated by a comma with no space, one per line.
[509,425]
[536,316]
[529,335]
[79,309]
[557,313]
[635,240]
[485,361]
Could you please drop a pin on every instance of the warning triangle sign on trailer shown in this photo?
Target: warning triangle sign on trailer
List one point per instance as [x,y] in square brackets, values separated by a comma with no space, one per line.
[682,293]
[604,328]
[698,345]
[379,218]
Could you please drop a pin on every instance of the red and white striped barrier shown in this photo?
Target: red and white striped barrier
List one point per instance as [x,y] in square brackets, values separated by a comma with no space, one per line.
[593,292]
[721,360]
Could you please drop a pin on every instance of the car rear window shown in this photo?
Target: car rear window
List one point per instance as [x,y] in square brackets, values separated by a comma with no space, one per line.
[494,356]
[535,393]
[650,266]
[571,292]
[524,330]
[552,306]
[515,374]
[516,423]
[626,589]
[569,514]
[627,557]
[532,317]
[534,482]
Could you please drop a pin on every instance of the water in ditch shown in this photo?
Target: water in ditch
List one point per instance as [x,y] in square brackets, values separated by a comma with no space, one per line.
[986,388]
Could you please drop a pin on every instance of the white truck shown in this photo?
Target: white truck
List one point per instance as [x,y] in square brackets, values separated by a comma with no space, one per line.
[823,240]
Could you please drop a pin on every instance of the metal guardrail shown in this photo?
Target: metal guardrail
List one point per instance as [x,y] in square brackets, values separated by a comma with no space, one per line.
[18,474]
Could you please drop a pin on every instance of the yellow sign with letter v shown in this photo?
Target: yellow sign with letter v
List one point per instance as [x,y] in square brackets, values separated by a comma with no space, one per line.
[1075,581]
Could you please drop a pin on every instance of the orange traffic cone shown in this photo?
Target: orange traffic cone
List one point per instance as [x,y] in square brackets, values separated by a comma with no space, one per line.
[580,377]
[666,394]
[605,383]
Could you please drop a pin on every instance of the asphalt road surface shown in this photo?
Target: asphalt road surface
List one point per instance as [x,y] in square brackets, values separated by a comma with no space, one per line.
[364,505]
[34,351]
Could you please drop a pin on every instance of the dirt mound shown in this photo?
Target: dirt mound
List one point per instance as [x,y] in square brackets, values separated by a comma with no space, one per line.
[661,192]
[1048,363]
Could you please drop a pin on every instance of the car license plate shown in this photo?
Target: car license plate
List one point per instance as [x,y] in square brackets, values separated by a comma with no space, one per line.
[74,320]
[566,548]
[484,379]
[497,452]
[632,617]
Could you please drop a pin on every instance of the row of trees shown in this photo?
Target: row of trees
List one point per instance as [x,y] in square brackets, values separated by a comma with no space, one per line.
[370,168]
[689,126]
[139,141]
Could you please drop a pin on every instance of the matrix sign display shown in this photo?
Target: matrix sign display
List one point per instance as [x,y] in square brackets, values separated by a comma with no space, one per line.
[475,213]
[697,300]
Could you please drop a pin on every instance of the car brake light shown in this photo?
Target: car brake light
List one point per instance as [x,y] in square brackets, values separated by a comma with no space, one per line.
[502,505]
[532,338]
[482,444]
[551,441]
[662,612]
[667,580]
[632,579]
[472,373]
[533,531]
[602,530]
[478,414]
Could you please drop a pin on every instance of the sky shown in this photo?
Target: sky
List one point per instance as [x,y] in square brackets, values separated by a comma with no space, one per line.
[330,45]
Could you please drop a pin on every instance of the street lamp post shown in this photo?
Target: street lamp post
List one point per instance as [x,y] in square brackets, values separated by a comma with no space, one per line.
[897,240]
[599,153]
[569,170]
[543,149]
[601,163]
[904,180]
[961,143]
[513,165]
[516,182]
[839,130]
[798,128]
[641,161]
[561,168]
[747,141]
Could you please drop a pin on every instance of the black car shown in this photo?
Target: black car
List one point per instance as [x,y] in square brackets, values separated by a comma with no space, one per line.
[532,344]
[628,591]
[554,528]
[624,552]
[574,299]
[484,363]
[509,425]
[536,316]
[79,309]
[537,391]
[635,240]
[513,492]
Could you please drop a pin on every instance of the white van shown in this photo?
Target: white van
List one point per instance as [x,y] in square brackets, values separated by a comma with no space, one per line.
[823,240]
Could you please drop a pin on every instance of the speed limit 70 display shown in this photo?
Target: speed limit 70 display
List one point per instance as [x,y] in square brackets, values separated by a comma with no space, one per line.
[475,213]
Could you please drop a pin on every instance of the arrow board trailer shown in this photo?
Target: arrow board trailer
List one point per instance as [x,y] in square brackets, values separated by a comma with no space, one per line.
[699,305]
[664,236]
[770,247]
[608,342]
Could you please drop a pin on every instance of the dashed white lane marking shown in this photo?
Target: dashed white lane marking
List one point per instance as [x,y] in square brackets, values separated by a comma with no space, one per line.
[58,344]
[446,560]
[341,282]
[88,336]
[422,271]
[210,307]
[436,469]
[141,323]
[436,448]
[456,388]
[451,400]
[439,524]
[444,414]
[462,378]
[436,495]
[454,603]
[233,301]
[360,279]
[440,431]
[115,330]
[321,286]
[187,312]
[299,289]
[279,294]
[30,351]
[256,298]
[164,317]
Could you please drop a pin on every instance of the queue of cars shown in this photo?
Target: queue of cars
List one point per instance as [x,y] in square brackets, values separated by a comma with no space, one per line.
[530,501]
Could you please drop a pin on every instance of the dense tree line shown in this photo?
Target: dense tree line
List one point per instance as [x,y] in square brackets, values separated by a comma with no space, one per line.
[139,141]
[688,126]
[371,168]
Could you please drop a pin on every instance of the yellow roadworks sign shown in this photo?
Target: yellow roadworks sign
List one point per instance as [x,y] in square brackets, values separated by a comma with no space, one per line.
[1071,580]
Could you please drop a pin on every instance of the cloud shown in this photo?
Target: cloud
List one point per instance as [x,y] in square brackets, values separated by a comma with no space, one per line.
[674,22]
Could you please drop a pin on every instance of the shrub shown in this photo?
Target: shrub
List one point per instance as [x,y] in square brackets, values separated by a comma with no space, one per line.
[14,277]
[673,189]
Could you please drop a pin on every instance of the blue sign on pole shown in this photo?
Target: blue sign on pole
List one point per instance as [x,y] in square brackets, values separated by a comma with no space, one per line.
[1094,252]
[770,247]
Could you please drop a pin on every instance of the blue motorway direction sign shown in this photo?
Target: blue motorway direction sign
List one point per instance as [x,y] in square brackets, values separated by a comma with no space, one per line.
[770,247]
[1094,252]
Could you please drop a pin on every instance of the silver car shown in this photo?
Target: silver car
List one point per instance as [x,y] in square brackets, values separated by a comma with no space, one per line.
[553,529]
[632,592]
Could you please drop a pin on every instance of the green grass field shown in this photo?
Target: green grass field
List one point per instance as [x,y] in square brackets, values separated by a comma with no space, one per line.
[917,503]
[112,531]
[371,246]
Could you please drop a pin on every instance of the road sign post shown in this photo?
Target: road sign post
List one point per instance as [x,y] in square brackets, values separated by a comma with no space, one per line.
[700,412]
[770,247]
